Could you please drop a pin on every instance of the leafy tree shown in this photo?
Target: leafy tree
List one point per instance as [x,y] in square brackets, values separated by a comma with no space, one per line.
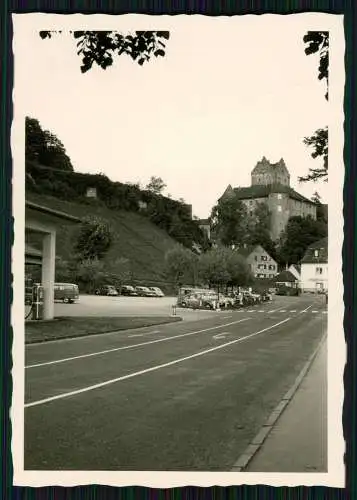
[93,239]
[228,220]
[62,270]
[318,42]
[238,269]
[319,142]
[180,263]
[300,233]
[44,148]
[101,47]
[118,272]
[89,273]
[213,267]
[156,185]
[257,231]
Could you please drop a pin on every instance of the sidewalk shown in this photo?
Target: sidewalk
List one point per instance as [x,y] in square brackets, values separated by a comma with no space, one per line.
[298,440]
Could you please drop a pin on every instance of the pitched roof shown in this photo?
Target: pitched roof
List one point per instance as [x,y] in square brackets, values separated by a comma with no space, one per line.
[321,258]
[285,276]
[261,191]
[297,267]
[247,250]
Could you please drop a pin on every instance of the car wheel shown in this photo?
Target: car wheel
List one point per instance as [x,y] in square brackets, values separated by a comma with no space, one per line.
[66,300]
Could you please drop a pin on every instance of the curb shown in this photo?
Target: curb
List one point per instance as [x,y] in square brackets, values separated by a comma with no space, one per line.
[256,443]
[92,334]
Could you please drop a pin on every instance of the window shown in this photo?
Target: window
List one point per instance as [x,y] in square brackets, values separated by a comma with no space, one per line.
[251,212]
[279,208]
[263,258]
[319,270]
[316,253]
[264,266]
[255,258]
[279,196]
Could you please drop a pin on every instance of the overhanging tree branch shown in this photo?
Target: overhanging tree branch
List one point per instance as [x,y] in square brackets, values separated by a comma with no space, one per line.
[318,42]
[100,47]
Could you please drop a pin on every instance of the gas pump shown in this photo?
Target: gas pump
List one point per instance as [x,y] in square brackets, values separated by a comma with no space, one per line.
[37,302]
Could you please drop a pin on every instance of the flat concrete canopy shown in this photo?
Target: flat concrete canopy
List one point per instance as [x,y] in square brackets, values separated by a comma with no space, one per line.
[45,221]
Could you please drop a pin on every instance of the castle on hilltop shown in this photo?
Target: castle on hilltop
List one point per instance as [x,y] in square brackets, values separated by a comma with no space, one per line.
[270,184]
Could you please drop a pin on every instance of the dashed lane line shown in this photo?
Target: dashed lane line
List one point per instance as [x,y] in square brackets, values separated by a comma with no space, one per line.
[148,370]
[123,348]
[143,334]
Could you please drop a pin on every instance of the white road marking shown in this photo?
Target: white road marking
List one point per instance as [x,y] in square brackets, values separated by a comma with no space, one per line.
[293,311]
[221,335]
[143,334]
[282,310]
[251,311]
[315,311]
[148,370]
[306,309]
[272,311]
[324,312]
[123,348]
[226,317]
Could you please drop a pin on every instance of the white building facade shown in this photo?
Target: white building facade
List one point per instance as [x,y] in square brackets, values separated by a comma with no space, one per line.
[314,268]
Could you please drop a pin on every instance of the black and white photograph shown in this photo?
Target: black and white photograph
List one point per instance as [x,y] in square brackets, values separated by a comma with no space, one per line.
[177,196]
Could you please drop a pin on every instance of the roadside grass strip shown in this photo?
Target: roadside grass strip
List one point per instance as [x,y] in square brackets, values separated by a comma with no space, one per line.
[132,346]
[152,369]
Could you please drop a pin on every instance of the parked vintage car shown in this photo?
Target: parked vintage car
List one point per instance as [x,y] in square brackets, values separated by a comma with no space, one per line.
[157,291]
[109,290]
[144,291]
[128,290]
[196,301]
[266,296]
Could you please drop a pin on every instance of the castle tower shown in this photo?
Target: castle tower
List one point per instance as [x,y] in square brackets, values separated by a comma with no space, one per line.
[266,173]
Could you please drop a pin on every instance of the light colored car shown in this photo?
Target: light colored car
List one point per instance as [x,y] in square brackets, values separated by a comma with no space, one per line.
[144,291]
[157,291]
[197,300]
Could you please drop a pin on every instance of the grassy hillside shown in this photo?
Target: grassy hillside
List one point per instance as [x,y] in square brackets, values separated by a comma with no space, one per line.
[134,238]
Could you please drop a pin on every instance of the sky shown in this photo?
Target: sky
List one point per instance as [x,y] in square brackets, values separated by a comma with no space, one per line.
[225,95]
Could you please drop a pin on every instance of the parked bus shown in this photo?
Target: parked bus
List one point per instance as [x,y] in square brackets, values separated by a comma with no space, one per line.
[66,292]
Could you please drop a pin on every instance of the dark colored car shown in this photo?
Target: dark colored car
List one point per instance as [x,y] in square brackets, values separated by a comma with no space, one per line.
[66,292]
[107,290]
[128,290]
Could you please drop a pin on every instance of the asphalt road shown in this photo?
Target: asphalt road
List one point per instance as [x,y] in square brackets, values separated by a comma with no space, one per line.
[182,396]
